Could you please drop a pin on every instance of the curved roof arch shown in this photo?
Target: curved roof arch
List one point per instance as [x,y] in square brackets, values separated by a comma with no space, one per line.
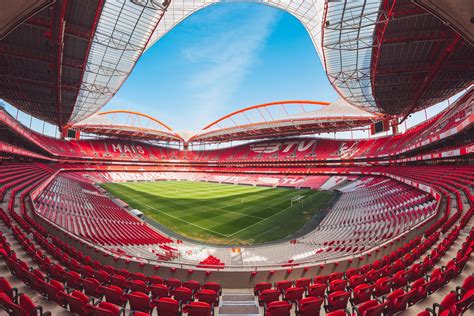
[125,123]
[284,118]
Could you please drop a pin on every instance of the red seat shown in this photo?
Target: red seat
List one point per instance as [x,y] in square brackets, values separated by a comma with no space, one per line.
[213,286]
[25,306]
[113,294]
[303,282]
[337,285]
[467,285]
[103,309]
[154,279]
[182,295]
[278,308]
[283,285]
[159,290]
[209,296]
[397,301]
[447,307]
[167,306]
[118,280]
[259,287]
[192,285]
[5,287]
[321,279]
[52,291]
[356,280]
[337,300]
[294,294]
[198,309]
[74,280]
[383,286]
[362,293]
[370,308]
[341,312]
[137,286]
[310,306]
[317,290]
[419,291]
[172,283]
[465,302]
[139,301]
[91,287]
[268,296]
[76,302]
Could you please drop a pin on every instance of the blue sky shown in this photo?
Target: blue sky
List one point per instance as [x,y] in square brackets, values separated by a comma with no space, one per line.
[223,58]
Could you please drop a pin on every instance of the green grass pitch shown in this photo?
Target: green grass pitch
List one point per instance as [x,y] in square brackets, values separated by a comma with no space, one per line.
[222,214]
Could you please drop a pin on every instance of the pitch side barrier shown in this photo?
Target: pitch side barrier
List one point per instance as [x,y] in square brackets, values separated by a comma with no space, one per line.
[242,276]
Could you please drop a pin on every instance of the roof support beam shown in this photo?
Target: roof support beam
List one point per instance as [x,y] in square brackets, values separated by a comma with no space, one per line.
[10,50]
[432,74]
[57,37]
[71,30]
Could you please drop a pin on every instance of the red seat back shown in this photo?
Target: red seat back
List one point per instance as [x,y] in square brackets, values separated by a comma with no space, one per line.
[278,308]
[197,309]
[310,306]
[167,306]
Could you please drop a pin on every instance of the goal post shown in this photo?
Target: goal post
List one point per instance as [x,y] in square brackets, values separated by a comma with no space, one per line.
[297,199]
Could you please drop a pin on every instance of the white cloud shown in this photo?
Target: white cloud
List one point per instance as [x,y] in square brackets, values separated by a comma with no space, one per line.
[224,59]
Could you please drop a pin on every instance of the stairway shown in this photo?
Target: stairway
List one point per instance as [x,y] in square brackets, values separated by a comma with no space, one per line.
[238,303]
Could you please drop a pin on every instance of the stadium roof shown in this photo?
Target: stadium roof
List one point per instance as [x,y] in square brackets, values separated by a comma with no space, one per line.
[64,63]
[121,123]
[283,118]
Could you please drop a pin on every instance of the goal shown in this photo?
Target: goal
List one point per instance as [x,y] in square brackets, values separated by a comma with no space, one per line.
[297,199]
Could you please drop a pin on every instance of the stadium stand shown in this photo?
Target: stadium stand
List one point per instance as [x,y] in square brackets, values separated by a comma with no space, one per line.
[396,237]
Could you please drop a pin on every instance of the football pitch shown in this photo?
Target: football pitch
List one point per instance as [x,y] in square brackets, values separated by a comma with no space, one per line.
[223,214]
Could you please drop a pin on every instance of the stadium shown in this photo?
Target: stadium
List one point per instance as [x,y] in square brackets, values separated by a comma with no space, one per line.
[273,209]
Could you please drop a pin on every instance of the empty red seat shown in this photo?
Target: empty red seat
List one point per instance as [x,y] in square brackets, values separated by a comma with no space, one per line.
[182,295]
[192,285]
[310,306]
[337,285]
[139,301]
[383,286]
[303,282]
[113,294]
[362,293]
[10,291]
[278,308]
[159,290]
[294,294]
[259,287]
[172,283]
[283,285]
[268,296]
[198,309]
[91,287]
[317,290]
[76,302]
[370,308]
[209,296]
[104,309]
[137,286]
[337,300]
[213,286]
[154,279]
[25,306]
[167,306]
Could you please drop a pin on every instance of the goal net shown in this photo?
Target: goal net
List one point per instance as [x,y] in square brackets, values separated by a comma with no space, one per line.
[297,199]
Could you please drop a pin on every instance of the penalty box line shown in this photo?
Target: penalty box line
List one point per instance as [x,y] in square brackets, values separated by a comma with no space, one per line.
[177,218]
